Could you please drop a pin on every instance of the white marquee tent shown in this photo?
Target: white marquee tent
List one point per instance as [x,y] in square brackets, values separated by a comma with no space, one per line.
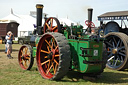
[26,23]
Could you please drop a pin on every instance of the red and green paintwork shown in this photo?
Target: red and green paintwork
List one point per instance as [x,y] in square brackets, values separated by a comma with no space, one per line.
[75,47]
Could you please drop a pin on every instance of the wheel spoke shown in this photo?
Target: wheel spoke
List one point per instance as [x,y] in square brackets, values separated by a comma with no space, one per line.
[121,44]
[114,40]
[111,58]
[53,68]
[49,69]
[26,63]
[45,51]
[48,48]
[45,56]
[29,54]
[28,60]
[56,68]
[26,50]
[118,44]
[48,65]
[54,28]
[113,44]
[56,62]
[21,53]
[108,44]
[45,62]
[48,43]
[122,59]
[110,55]
[121,48]
[118,58]
[116,62]
[122,54]
[21,61]
[56,48]
[48,26]
[54,43]
[27,57]
[57,55]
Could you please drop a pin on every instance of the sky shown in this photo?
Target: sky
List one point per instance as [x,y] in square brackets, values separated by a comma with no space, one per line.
[76,10]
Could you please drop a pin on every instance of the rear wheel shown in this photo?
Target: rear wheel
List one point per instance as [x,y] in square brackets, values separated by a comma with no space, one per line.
[117,52]
[53,56]
[25,57]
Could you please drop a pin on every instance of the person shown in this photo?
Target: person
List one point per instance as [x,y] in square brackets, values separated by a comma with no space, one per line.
[5,46]
[9,38]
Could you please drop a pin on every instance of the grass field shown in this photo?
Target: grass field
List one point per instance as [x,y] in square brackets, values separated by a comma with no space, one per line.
[12,74]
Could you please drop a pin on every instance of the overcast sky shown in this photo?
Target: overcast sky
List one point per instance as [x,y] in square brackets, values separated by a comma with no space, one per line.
[76,10]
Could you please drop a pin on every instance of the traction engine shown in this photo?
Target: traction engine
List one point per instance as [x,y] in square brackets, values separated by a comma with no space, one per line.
[60,48]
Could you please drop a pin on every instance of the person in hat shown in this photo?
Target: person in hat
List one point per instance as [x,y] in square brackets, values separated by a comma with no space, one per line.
[9,38]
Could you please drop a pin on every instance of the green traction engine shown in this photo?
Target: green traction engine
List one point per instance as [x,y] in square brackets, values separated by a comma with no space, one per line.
[59,48]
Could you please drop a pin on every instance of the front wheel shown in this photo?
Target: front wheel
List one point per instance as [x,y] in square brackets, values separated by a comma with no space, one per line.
[53,56]
[25,58]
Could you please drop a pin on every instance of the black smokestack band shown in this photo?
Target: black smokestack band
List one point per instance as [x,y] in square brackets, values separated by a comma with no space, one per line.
[39,18]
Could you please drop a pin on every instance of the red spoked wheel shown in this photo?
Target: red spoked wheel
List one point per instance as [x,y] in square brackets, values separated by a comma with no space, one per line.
[52,25]
[25,58]
[90,24]
[53,56]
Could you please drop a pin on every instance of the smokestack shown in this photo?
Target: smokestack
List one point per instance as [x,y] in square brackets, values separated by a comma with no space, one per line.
[90,11]
[39,18]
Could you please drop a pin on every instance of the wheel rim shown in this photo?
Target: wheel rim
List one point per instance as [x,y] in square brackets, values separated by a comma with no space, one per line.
[116,51]
[48,59]
[24,57]
[52,25]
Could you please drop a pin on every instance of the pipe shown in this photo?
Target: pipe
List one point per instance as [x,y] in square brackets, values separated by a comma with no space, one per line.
[39,18]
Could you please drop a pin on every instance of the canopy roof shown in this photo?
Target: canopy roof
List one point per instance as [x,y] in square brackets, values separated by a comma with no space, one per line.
[120,15]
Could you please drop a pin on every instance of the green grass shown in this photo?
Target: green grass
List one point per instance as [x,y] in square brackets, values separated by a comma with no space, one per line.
[12,74]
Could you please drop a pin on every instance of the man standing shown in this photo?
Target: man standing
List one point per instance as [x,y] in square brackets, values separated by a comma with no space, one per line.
[9,38]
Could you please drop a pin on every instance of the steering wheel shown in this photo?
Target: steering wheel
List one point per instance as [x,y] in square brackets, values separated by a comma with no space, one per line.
[90,24]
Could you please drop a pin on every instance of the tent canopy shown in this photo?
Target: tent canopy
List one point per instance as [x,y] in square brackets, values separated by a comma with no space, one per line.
[119,15]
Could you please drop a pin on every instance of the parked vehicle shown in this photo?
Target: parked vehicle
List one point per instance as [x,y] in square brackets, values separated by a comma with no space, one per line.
[116,38]
[58,48]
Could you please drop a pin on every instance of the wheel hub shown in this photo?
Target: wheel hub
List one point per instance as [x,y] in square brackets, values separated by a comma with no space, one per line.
[50,55]
[114,51]
[25,57]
